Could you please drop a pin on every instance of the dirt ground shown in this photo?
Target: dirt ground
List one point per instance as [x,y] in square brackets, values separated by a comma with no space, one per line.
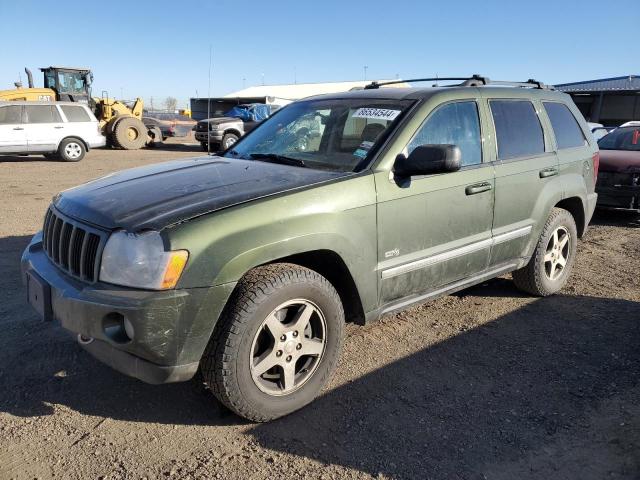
[485,384]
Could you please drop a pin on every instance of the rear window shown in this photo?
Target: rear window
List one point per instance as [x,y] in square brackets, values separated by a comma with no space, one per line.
[518,129]
[10,114]
[41,114]
[75,114]
[565,126]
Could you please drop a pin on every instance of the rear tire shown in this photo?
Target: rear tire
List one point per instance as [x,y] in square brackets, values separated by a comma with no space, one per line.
[552,261]
[130,134]
[286,317]
[71,150]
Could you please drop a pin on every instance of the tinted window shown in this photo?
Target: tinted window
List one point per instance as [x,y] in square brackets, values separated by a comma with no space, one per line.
[565,127]
[518,130]
[455,124]
[75,114]
[10,114]
[40,114]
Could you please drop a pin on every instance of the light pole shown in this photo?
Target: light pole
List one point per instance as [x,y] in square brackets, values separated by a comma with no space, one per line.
[365,71]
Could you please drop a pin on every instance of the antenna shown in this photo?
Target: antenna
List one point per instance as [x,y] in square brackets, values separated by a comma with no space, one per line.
[209,107]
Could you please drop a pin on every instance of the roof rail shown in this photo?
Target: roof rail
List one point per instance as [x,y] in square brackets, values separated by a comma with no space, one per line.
[472,81]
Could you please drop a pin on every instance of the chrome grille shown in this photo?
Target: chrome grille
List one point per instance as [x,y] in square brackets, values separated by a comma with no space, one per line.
[74,247]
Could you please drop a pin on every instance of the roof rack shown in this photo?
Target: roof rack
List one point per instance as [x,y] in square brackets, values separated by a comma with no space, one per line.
[472,81]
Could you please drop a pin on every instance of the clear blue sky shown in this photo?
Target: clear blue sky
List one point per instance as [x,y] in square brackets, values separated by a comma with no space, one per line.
[160,48]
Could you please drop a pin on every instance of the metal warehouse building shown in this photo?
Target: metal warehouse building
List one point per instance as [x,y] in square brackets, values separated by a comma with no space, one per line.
[610,101]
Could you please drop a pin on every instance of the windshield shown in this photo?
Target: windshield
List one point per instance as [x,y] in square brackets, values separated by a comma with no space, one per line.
[624,138]
[71,82]
[337,134]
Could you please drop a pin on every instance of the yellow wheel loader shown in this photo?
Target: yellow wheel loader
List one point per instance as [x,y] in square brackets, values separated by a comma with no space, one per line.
[120,123]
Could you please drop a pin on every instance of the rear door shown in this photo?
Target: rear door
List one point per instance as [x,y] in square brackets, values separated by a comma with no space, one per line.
[79,123]
[575,156]
[44,127]
[525,164]
[12,134]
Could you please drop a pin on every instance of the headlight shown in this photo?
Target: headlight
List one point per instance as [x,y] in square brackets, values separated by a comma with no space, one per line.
[140,260]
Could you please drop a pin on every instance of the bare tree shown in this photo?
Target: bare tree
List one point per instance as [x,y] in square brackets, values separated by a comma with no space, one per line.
[171,104]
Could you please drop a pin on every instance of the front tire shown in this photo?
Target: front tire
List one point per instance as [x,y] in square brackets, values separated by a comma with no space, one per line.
[277,342]
[229,140]
[71,150]
[551,263]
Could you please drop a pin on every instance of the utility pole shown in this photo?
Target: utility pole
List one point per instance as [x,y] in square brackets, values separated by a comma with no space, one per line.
[263,79]
[244,82]
[365,71]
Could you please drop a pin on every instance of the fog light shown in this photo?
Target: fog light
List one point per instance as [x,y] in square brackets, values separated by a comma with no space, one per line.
[115,328]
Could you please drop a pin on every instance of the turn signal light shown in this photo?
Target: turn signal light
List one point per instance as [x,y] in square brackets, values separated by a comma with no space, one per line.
[175,266]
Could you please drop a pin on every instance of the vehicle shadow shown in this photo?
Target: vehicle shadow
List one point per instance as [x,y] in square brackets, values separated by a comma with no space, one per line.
[609,217]
[178,147]
[23,158]
[510,399]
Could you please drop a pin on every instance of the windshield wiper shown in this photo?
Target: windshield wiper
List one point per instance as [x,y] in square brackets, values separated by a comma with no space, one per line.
[276,158]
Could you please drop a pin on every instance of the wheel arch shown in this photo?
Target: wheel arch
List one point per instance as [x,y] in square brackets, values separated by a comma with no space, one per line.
[232,130]
[73,137]
[330,265]
[575,206]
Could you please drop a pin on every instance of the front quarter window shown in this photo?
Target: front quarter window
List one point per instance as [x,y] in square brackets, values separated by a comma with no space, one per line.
[333,134]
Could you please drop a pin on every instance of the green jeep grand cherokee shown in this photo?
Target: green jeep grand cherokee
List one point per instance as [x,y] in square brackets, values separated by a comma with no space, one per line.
[244,267]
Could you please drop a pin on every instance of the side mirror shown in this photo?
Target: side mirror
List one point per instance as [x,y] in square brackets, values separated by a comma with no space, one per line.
[428,159]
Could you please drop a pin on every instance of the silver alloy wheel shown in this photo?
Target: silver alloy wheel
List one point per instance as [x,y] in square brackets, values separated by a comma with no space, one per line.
[229,142]
[73,150]
[288,347]
[557,254]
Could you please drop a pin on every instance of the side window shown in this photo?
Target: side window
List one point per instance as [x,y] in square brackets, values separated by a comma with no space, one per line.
[39,113]
[518,129]
[10,114]
[75,114]
[565,127]
[455,124]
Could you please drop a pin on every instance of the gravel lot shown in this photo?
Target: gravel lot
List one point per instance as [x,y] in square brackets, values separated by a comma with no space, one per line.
[486,384]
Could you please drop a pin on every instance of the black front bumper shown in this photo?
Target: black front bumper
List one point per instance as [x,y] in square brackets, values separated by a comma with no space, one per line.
[169,329]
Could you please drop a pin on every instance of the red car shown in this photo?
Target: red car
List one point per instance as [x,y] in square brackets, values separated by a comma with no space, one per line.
[618,183]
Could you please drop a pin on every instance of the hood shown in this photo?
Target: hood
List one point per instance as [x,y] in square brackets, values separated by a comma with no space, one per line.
[159,195]
[619,161]
[218,120]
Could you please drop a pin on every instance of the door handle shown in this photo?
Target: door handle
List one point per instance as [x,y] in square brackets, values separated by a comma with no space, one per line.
[478,188]
[548,172]
[18,128]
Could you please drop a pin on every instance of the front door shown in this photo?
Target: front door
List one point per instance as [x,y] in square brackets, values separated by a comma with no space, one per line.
[435,230]
[43,127]
[12,133]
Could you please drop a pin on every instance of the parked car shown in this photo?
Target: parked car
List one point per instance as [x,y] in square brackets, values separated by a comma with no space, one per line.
[245,267]
[619,177]
[170,124]
[224,131]
[60,130]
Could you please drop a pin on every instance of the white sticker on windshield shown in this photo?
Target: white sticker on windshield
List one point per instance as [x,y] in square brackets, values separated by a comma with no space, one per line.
[376,113]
